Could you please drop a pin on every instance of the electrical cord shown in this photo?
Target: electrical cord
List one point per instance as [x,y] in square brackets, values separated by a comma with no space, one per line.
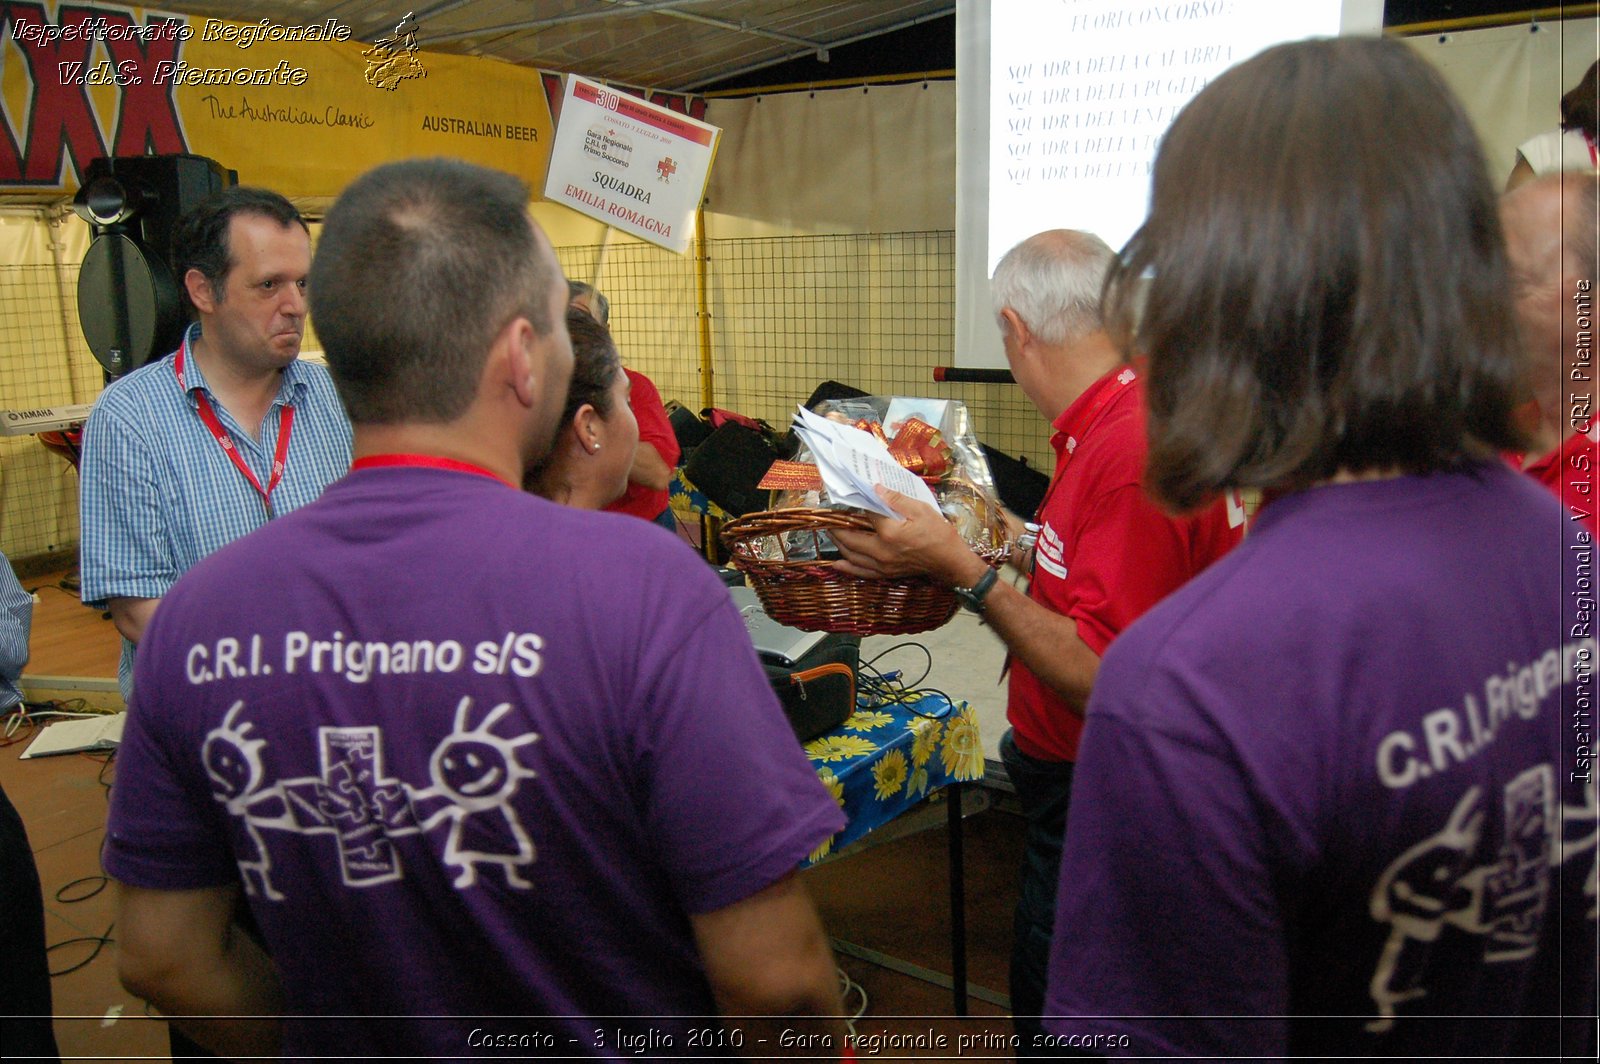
[106,760]
[94,885]
[97,882]
[15,722]
[82,889]
[909,644]
[29,714]
[100,942]
[847,988]
[60,586]
[890,688]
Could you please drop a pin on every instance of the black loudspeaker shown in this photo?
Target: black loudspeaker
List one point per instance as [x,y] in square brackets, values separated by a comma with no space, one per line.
[729,465]
[129,301]
[1020,486]
[687,426]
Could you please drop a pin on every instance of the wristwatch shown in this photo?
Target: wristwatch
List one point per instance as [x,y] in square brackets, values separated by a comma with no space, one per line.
[972,597]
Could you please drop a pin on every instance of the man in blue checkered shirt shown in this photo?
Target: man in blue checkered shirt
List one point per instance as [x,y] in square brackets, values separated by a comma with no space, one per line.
[193,451]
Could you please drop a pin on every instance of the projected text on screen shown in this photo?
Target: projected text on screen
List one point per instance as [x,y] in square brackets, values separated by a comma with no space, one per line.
[1081,92]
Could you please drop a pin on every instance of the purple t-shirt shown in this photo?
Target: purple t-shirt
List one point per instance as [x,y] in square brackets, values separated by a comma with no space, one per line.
[1335,795]
[471,754]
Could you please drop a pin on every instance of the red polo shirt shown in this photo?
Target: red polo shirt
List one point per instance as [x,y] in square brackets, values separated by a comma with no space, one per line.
[1569,471]
[654,431]
[1106,553]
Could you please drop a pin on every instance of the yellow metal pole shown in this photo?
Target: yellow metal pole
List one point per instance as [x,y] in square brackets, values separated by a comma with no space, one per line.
[709,526]
[702,297]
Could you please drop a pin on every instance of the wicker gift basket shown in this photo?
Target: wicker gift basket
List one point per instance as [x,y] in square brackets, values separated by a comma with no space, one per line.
[786,553]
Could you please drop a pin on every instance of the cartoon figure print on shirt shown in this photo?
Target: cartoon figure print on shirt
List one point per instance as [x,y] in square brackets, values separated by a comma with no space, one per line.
[232,760]
[1447,880]
[474,774]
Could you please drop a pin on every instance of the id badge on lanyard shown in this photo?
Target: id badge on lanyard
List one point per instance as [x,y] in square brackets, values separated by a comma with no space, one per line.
[213,424]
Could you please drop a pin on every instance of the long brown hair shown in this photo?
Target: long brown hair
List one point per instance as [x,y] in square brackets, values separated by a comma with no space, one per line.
[595,365]
[1328,288]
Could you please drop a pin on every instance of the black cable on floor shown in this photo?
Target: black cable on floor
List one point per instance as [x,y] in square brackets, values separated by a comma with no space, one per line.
[98,882]
[100,943]
[106,761]
[93,885]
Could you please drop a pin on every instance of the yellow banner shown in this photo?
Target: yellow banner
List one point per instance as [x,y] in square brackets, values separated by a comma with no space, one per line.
[298,108]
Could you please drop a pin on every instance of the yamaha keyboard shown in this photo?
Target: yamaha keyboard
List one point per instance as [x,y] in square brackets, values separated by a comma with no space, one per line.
[43,419]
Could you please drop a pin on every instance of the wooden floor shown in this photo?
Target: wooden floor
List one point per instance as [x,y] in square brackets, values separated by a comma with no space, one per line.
[62,801]
[69,639]
[889,898]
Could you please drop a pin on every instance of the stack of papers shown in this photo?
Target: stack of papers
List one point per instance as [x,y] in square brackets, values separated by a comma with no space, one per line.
[103,732]
[851,462]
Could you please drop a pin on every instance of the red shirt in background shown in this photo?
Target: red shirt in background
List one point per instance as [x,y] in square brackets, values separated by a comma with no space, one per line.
[654,431]
[1569,471]
[1106,552]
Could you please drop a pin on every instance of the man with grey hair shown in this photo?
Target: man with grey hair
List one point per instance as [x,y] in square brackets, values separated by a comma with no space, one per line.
[1105,553]
[1551,236]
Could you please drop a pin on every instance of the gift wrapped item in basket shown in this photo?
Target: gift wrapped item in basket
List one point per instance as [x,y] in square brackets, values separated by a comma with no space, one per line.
[787,552]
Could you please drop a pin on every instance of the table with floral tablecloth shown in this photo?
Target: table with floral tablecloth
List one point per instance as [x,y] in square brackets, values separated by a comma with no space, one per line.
[888,756]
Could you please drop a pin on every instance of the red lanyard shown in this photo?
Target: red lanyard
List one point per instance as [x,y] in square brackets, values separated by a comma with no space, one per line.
[1594,157]
[280,457]
[1091,418]
[421,461]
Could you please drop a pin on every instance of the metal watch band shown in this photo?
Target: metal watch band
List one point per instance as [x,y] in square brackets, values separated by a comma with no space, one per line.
[972,597]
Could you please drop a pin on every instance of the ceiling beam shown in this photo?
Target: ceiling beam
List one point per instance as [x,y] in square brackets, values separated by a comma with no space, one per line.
[640,7]
[369,32]
[742,26]
[753,67]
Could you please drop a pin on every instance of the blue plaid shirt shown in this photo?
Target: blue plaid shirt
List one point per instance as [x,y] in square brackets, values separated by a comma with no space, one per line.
[16,618]
[158,493]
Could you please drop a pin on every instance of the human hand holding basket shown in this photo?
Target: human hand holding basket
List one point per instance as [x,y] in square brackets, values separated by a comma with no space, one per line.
[787,554]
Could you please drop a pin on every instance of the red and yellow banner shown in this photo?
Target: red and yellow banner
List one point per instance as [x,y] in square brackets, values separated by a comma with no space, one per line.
[298,108]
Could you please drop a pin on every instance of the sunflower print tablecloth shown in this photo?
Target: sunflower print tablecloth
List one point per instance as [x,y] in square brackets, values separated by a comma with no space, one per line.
[686,499]
[888,757]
